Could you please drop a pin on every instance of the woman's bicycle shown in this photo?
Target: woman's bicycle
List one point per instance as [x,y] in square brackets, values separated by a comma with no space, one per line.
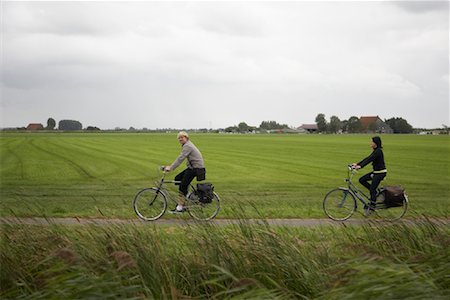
[150,204]
[340,203]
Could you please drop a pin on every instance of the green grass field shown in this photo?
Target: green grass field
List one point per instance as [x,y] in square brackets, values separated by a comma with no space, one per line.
[97,175]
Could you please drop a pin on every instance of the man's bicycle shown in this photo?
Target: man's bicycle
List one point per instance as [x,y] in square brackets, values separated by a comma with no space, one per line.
[340,203]
[150,204]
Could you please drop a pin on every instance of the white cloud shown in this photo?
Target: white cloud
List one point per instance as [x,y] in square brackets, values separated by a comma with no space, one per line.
[226,61]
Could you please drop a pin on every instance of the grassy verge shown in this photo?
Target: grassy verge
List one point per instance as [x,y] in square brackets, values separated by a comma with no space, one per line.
[235,262]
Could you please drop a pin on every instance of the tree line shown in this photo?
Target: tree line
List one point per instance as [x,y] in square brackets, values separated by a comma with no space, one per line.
[64,125]
[265,126]
[67,125]
[354,125]
[334,125]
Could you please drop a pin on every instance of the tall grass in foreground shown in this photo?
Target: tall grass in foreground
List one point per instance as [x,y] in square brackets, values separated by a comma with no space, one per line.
[235,262]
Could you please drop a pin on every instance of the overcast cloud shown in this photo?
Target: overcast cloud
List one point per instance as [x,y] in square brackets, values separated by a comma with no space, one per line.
[204,64]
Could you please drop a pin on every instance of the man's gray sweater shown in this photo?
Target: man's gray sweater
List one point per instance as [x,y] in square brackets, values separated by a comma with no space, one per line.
[193,155]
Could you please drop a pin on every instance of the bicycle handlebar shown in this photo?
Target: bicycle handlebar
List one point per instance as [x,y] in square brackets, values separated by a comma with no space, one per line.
[352,168]
[163,169]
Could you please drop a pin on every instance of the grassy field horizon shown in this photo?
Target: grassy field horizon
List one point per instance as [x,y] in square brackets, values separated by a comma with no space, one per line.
[282,176]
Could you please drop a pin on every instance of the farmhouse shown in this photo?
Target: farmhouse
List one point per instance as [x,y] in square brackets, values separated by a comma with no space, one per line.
[311,128]
[373,124]
[35,126]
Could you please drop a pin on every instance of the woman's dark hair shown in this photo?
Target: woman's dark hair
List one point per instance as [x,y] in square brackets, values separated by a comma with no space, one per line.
[377,141]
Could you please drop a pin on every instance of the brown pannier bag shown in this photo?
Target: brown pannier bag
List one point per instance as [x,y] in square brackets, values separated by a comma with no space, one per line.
[394,196]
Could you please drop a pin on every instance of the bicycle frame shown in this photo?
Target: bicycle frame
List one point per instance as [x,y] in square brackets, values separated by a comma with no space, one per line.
[352,188]
[160,187]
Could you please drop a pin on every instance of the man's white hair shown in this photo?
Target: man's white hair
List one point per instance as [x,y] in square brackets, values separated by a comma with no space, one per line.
[183,133]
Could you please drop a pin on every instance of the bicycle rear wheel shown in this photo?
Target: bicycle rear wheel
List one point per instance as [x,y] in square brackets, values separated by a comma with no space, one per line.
[203,211]
[390,213]
[150,204]
[339,204]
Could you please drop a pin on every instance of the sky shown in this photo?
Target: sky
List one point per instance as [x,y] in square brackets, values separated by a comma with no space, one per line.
[215,64]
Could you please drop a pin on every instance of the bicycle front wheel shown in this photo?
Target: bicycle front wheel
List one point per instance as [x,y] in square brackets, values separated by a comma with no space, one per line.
[150,204]
[388,212]
[203,211]
[339,204]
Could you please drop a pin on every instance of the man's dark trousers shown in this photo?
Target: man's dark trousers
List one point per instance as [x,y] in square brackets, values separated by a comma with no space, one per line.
[187,176]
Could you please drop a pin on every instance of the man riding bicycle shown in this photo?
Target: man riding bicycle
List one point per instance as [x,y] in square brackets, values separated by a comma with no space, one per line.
[195,168]
[379,169]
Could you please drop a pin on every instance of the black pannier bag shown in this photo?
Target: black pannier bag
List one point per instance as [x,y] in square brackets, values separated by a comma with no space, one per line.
[205,192]
[394,196]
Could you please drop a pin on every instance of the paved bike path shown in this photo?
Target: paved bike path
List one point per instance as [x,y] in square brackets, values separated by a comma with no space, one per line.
[180,221]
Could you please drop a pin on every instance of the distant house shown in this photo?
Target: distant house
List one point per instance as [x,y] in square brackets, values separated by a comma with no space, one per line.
[35,126]
[286,130]
[311,128]
[373,124]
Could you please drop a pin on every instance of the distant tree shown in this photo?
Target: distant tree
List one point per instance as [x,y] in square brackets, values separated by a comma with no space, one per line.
[403,126]
[446,129]
[243,127]
[399,125]
[335,124]
[321,123]
[92,128]
[265,125]
[344,124]
[131,129]
[51,124]
[354,125]
[271,125]
[69,125]
[231,129]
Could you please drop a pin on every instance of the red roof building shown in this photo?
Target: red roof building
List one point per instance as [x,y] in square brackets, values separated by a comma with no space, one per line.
[366,121]
[373,124]
[35,126]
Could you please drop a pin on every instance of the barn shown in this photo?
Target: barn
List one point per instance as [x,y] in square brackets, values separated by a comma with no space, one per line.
[373,124]
[311,128]
[35,126]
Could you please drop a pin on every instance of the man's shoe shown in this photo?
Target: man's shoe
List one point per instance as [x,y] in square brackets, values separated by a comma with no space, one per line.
[176,211]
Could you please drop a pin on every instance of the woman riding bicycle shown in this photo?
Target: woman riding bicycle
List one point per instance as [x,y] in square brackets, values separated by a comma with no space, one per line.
[379,169]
